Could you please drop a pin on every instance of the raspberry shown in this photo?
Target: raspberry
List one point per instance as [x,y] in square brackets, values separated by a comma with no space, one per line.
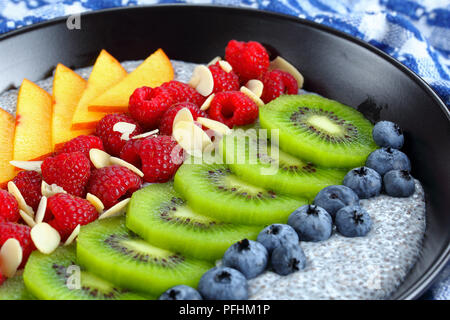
[2,278]
[249,60]
[70,171]
[9,208]
[112,140]
[161,156]
[69,211]
[82,144]
[181,92]
[276,83]
[224,81]
[233,108]
[130,152]
[29,183]
[19,232]
[113,184]
[165,126]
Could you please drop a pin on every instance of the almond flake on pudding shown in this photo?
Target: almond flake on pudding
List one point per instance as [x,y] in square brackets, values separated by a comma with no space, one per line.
[202,80]
[225,66]
[252,96]
[214,125]
[27,165]
[50,190]
[45,237]
[205,106]
[125,128]
[127,165]
[40,212]
[115,210]
[12,188]
[72,236]
[283,65]
[182,115]
[96,202]
[146,134]
[10,257]
[28,220]
[214,61]
[99,158]
[256,86]
[191,138]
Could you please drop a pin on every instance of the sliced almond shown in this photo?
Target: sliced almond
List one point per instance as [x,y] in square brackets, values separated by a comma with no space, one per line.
[127,165]
[225,66]
[99,158]
[27,165]
[213,61]
[45,237]
[10,257]
[191,138]
[96,202]
[146,134]
[283,65]
[28,220]
[252,96]
[115,210]
[207,103]
[255,86]
[40,212]
[50,190]
[73,235]
[125,129]
[182,115]
[12,188]
[202,80]
[217,126]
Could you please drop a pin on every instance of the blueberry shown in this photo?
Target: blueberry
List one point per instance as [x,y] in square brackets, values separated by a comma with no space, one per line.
[388,134]
[399,183]
[387,159]
[277,234]
[333,198]
[247,256]
[365,182]
[288,258]
[181,292]
[312,223]
[223,283]
[353,221]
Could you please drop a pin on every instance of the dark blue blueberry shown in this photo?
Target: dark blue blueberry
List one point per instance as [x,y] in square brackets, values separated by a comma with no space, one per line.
[247,256]
[399,183]
[277,234]
[353,221]
[388,134]
[365,182]
[333,198]
[287,259]
[181,292]
[387,159]
[312,223]
[223,283]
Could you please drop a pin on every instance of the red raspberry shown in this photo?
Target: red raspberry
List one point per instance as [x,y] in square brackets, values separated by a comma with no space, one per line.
[82,144]
[29,183]
[249,60]
[69,211]
[165,126]
[70,171]
[9,208]
[224,81]
[161,157]
[113,184]
[22,234]
[2,278]
[130,152]
[233,108]
[276,83]
[112,140]
[181,92]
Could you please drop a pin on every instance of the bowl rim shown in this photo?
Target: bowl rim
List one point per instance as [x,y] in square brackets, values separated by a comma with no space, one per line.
[427,278]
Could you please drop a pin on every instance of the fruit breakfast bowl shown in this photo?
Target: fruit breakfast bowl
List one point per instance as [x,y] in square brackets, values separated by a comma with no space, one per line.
[334,65]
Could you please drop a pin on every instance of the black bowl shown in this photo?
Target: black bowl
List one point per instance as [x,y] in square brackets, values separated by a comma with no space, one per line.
[334,64]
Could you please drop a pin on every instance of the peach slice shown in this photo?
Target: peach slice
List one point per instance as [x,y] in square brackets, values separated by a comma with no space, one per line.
[107,72]
[67,90]
[7,171]
[33,134]
[154,71]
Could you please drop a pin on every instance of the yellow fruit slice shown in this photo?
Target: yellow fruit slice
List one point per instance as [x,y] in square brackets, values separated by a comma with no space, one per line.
[7,171]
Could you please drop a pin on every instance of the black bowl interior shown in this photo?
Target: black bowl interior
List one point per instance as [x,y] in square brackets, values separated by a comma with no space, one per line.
[334,65]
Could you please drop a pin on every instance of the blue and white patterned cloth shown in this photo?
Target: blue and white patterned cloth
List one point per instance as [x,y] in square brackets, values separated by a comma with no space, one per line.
[415,32]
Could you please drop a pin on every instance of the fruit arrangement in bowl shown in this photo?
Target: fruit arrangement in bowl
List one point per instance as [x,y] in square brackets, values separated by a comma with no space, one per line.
[162,179]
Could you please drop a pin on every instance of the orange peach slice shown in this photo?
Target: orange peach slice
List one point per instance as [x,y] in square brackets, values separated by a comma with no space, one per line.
[154,71]
[7,171]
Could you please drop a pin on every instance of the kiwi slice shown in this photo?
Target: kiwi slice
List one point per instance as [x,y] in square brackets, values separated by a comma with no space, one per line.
[107,248]
[53,277]
[213,190]
[255,159]
[14,289]
[161,216]
[319,130]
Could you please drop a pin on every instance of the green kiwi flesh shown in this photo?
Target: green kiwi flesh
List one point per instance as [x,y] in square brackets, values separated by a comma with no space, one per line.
[48,277]
[107,248]
[161,216]
[322,131]
[214,191]
[14,289]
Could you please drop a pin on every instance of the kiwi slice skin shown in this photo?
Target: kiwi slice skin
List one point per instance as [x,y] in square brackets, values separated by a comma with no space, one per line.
[322,131]
[212,190]
[284,173]
[46,278]
[14,289]
[159,215]
[107,248]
